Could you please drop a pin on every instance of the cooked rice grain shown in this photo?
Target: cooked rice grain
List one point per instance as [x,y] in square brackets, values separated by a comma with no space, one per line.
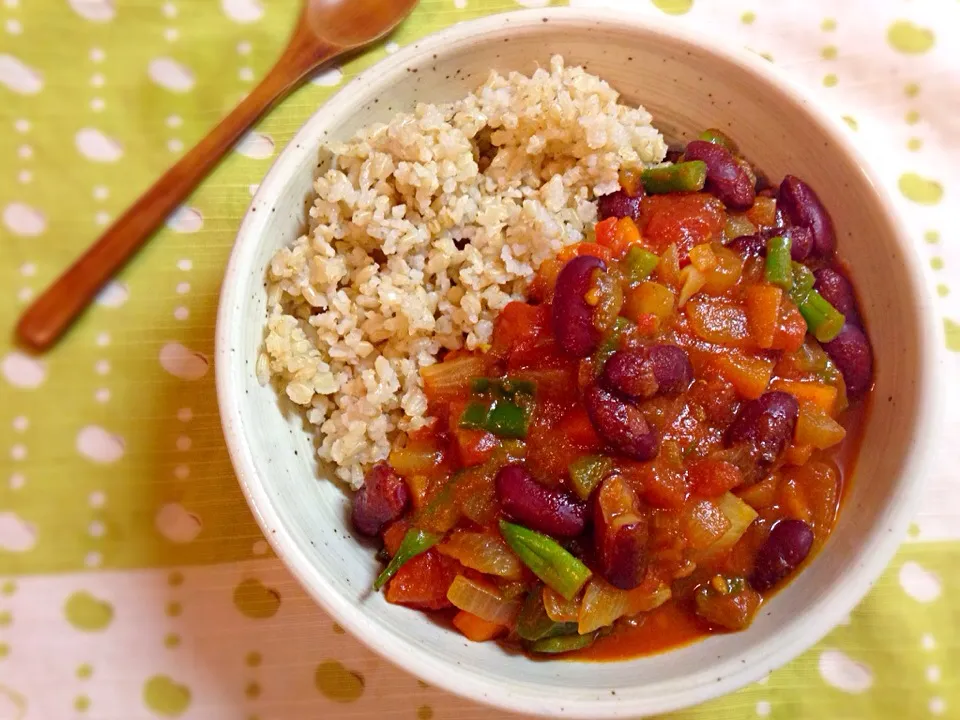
[413,249]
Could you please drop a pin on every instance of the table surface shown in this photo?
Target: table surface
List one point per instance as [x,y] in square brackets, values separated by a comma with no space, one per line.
[134,582]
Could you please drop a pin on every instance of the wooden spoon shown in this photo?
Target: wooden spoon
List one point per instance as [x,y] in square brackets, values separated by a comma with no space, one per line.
[326,29]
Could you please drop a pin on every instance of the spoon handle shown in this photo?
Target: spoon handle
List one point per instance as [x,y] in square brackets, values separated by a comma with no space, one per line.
[54,311]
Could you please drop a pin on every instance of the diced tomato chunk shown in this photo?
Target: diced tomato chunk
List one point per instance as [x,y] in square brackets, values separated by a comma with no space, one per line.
[518,325]
[658,484]
[585,248]
[423,581]
[792,329]
[393,536]
[576,427]
[712,478]
[684,219]
[474,446]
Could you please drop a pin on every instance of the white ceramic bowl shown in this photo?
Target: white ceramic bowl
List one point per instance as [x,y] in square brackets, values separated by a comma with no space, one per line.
[688,83]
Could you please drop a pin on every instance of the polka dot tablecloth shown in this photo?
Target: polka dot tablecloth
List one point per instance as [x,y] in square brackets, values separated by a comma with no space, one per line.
[134,582]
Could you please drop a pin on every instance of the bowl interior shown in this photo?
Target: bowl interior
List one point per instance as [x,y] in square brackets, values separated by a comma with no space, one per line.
[686,87]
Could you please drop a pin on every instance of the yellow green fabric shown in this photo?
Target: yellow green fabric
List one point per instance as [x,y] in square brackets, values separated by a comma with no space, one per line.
[131,570]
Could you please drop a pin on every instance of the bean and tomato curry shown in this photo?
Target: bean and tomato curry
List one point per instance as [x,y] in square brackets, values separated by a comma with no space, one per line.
[654,442]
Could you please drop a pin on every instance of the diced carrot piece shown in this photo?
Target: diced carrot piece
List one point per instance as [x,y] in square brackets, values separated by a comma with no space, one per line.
[703,258]
[630,181]
[761,495]
[718,321]
[815,427]
[543,283]
[624,234]
[749,375]
[586,248]
[820,394]
[576,427]
[791,497]
[475,446]
[763,313]
[393,536]
[605,230]
[712,478]
[422,582]
[763,212]
[649,299]
[476,628]
[797,454]
[791,330]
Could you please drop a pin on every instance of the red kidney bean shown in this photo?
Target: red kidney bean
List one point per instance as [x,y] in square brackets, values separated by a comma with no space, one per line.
[620,205]
[553,512]
[766,423]
[621,424]
[837,291]
[382,499]
[572,317]
[648,371]
[801,241]
[621,532]
[786,547]
[851,352]
[725,177]
[802,207]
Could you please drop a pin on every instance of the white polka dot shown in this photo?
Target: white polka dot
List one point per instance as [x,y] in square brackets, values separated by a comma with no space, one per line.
[25,152]
[175,145]
[185,414]
[102,367]
[181,313]
[933,674]
[183,288]
[260,547]
[97,499]
[92,559]
[13,26]
[97,104]
[919,583]
[23,371]
[185,220]
[94,10]
[182,362]
[103,339]
[17,481]
[245,74]
[99,445]
[11,3]
[244,47]
[100,192]
[171,75]
[329,77]
[169,10]
[243,11]
[16,534]
[177,524]
[24,176]
[459,4]
[21,423]
[97,54]
[844,673]
[174,121]
[24,294]
[18,452]
[184,264]
[97,146]
[937,705]
[102,396]
[391,47]
[28,269]
[24,220]
[114,294]
[183,443]
[98,80]
[102,217]
[19,77]
[171,34]
[96,529]
[21,125]
[181,472]
[256,146]
[927,642]
[763,708]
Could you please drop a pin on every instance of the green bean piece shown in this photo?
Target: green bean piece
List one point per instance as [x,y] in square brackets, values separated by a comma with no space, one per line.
[718,137]
[803,281]
[639,263]
[415,542]
[587,472]
[548,560]
[534,624]
[778,269]
[562,644]
[679,177]
[823,319]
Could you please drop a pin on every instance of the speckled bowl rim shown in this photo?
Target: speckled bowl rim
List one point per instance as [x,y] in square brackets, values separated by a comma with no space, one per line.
[875,553]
